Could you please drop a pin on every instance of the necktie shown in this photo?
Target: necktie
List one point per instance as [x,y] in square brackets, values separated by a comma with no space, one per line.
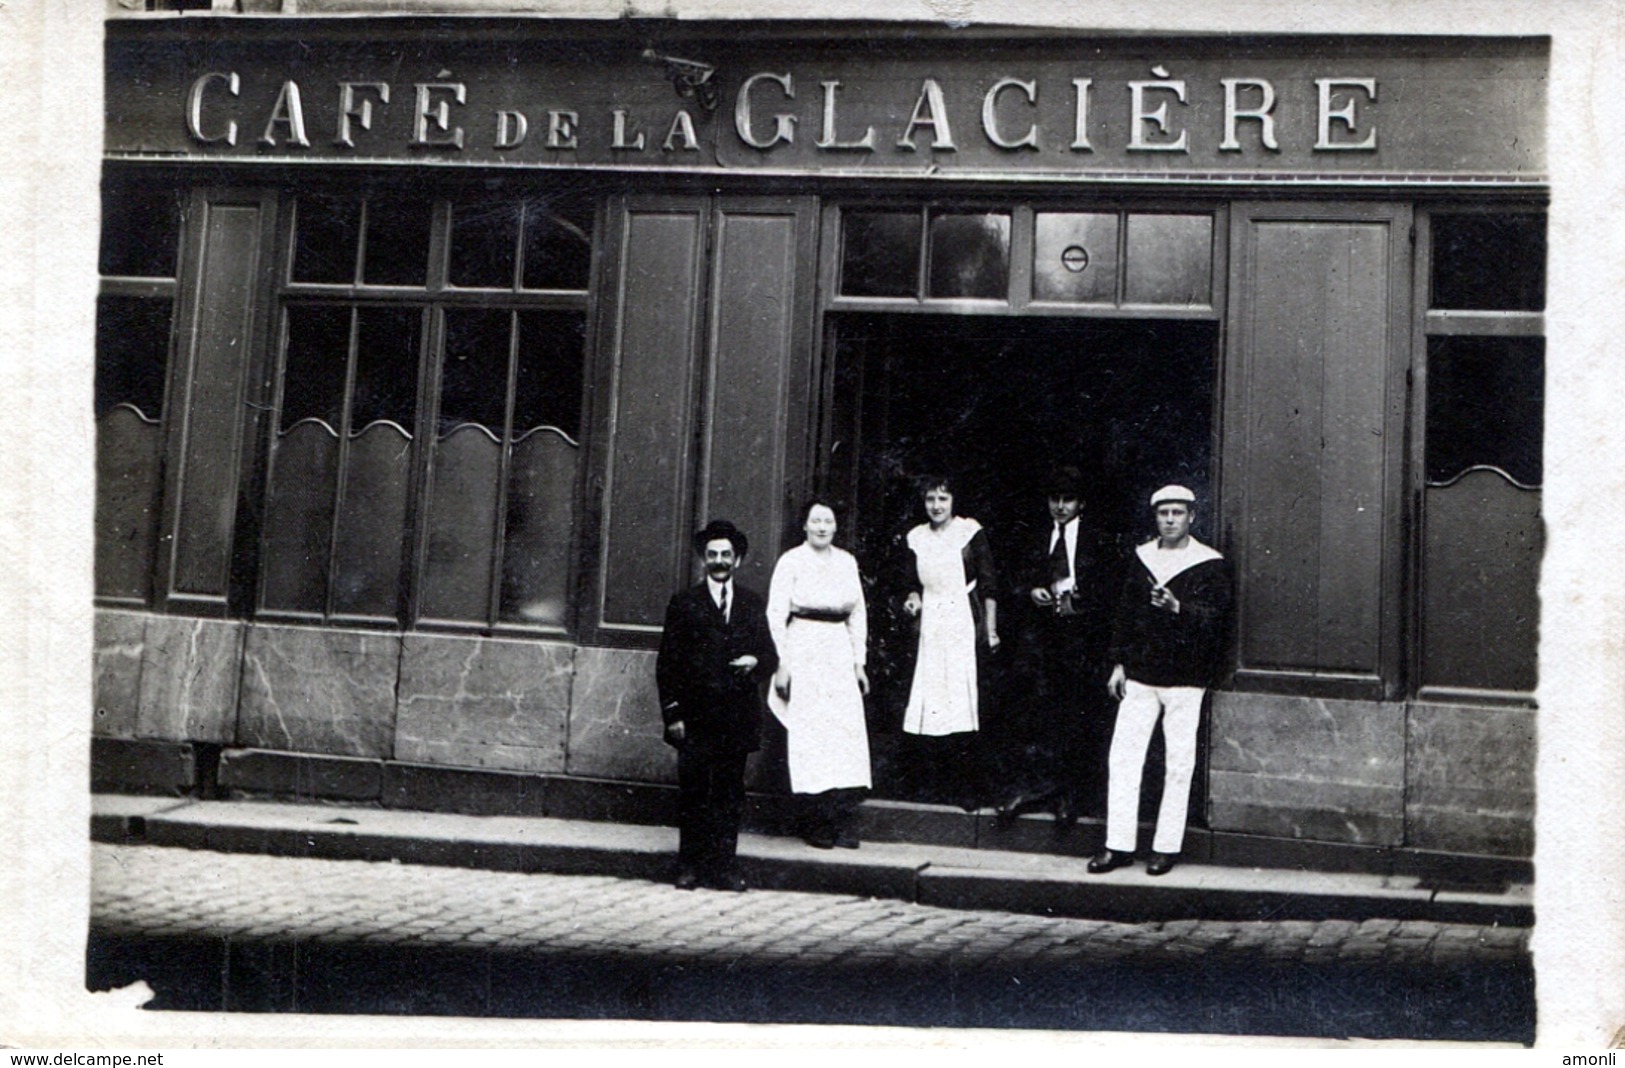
[722,602]
[1059,567]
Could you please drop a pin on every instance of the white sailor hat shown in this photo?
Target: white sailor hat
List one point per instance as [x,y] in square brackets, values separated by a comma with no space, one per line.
[1171,495]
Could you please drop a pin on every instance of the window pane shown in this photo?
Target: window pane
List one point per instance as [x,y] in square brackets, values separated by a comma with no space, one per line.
[299,519]
[141,230]
[1480,585]
[548,390]
[970,256]
[880,254]
[326,236]
[371,528]
[558,244]
[397,242]
[132,352]
[1075,257]
[1484,404]
[484,243]
[540,521]
[474,375]
[1489,262]
[314,370]
[386,367]
[128,469]
[1170,259]
[461,528]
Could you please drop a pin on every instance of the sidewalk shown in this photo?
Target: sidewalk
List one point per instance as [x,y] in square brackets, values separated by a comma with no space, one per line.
[925,874]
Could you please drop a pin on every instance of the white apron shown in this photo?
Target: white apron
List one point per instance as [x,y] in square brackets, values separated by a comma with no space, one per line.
[943,697]
[828,737]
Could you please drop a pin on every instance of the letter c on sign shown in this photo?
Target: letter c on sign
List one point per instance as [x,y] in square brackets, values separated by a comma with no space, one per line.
[194,108]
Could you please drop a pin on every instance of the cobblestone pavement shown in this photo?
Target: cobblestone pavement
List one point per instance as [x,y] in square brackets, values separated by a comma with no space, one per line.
[325,935]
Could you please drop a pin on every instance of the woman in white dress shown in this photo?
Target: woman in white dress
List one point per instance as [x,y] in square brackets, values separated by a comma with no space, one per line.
[953,582]
[816,611]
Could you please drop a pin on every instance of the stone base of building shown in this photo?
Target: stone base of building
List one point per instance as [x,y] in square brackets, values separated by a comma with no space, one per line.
[123,765]
[438,722]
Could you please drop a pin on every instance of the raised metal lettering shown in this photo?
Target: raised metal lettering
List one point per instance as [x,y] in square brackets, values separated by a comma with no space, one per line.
[866,143]
[1233,113]
[929,110]
[1344,115]
[990,119]
[1080,125]
[620,140]
[353,106]
[1140,118]
[681,127]
[194,107]
[512,126]
[784,125]
[561,129]
[429,110]
[288,111]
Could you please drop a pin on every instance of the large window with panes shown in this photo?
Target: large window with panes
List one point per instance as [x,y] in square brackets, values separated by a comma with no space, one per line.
[1481,411]
[135,322]
[421,391]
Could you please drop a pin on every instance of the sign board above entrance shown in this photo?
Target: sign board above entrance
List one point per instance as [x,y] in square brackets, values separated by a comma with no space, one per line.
[1191,110]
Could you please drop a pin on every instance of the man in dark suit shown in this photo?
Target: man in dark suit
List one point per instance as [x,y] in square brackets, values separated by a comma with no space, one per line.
[715,655]
[1058,732]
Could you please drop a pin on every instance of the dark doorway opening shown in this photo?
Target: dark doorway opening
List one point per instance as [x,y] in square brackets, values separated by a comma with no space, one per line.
[998,402]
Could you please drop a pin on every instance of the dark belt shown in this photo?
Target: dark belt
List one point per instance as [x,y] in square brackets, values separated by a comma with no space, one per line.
[820,616]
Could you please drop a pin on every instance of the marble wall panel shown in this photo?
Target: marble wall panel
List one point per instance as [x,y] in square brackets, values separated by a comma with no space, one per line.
[310,690]
[117,672]
[189,676]
[1310,809]
[615,727]
[1310,738]
[1470,782]
[1305,767]
[483,702]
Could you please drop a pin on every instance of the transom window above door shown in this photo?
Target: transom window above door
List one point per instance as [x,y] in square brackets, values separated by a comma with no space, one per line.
[1083,261]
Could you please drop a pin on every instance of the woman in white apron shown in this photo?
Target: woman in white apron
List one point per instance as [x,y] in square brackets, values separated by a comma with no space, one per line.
[816,611]
[953,597]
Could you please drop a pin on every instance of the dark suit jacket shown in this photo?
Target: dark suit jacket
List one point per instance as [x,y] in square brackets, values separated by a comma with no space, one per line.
[1093,596]
[721,709]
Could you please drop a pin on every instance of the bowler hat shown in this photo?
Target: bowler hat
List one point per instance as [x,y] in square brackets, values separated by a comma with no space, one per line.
[721,528]
[1066,481]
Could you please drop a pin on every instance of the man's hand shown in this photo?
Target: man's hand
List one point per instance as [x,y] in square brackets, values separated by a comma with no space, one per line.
[781,682]
[863,679]
[675,734]
[743,664]
[911,605]
[1117,685]
[1042,597]
[1163,598]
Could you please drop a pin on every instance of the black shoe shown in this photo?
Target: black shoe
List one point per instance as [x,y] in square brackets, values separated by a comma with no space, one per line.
[1160,863]
[687,879]
[821,840]
[847,840]
[731,881]
[1109,860]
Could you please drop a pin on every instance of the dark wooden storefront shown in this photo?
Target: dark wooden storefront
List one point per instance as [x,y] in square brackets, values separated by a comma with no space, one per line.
[371,526]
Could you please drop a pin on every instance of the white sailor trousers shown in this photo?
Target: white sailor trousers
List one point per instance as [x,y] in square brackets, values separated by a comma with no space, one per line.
[1180,709]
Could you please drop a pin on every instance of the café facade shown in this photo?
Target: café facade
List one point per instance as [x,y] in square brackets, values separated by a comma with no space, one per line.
[424,342]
